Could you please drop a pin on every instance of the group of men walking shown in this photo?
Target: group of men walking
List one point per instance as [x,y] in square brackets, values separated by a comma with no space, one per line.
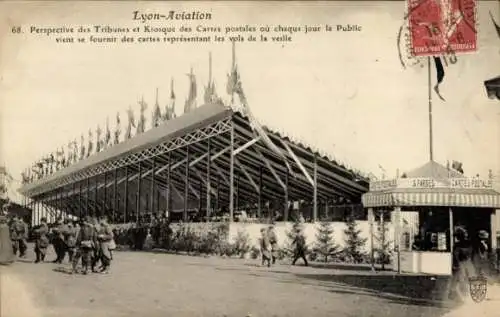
[269,246]
[90,240]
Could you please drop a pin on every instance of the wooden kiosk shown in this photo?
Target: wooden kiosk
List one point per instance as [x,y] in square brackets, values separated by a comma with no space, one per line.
[425,206]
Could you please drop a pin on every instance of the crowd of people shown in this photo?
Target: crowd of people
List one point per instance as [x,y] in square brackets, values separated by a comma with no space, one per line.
[87,242]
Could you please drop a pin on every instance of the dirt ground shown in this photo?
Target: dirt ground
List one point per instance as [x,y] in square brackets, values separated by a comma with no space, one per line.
[156,284]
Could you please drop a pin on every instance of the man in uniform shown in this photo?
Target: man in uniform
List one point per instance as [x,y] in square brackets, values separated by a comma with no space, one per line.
[273,240]
[58,241]
[42,241]
[19,234]
[85,243]
[97,246]
[70,233]
[105,236]
[299,244]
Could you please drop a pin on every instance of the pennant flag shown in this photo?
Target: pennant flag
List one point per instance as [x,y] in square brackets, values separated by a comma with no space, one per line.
[190,103]
[497,27]
[141,125]
[156,117]
[107,137]
[210,95]
[440,75]
[82,148]
[118,129]
[90,146]
[170,108]
[98,142]
[131,123]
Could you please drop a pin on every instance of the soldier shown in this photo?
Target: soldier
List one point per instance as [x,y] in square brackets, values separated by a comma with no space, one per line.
[105,238]
[265,247]
[97,246]
[42,241]
[70,233]
[300,247]
[19,234]
[273,240]
[58,240]
[85,243]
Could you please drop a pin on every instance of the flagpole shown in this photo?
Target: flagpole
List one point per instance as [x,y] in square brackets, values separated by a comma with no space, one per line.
[431,156]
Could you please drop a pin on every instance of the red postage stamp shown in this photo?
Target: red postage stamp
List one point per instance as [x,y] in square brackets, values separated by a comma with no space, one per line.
[439,27]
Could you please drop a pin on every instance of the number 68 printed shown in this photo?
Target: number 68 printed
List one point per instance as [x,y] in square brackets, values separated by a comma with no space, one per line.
[16,29]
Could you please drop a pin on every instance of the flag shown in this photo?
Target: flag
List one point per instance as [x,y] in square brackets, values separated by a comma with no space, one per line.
[156,117]
[439,74]
[190,103]
[90,146]
[98,142]
[118,129]
[210,95]
[170,108]
[107,137]
[69,161]
[131,123]
[82,148]
[141,125]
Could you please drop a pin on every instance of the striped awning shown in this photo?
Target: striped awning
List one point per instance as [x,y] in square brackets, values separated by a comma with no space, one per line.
[442,199]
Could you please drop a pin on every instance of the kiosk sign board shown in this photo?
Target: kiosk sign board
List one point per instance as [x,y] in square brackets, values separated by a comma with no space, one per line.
[428,183]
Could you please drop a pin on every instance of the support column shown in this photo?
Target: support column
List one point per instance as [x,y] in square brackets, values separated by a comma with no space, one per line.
[494,228]
[186,186]
[285,216]
[169,187]
[397,231]
[139,183]
[152,193]
[452,238]
[259,200]
[209,188]
[237,199]
[371,218]
[96,202]
[87,213]
[80,208]
[217,199]
[105,194]
[231,176]
[115,185]
[200,200]
[315,190]
[125,215]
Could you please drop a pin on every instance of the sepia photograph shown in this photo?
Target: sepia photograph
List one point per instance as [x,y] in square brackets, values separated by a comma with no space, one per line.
[250,158]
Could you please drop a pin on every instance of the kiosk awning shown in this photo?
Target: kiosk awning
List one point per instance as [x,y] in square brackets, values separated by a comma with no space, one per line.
[432,198]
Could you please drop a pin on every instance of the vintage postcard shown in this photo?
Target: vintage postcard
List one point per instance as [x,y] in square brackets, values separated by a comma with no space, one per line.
[250,158]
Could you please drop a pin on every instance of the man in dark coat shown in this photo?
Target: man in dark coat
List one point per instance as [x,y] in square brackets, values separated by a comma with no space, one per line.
[299,244]
[19,235]
[69,239]
[105,237]
[85,244]
[7,255]
[42,241]
[58,241]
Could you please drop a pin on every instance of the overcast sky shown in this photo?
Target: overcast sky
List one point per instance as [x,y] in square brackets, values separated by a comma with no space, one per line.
[346,93]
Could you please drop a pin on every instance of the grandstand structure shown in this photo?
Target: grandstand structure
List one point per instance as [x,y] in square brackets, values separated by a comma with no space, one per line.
[213,161]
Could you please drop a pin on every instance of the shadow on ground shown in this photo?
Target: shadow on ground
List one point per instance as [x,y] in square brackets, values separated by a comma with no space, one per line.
[406,289]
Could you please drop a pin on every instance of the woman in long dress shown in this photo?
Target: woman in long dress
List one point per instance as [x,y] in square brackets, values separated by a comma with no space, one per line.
[6,250]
